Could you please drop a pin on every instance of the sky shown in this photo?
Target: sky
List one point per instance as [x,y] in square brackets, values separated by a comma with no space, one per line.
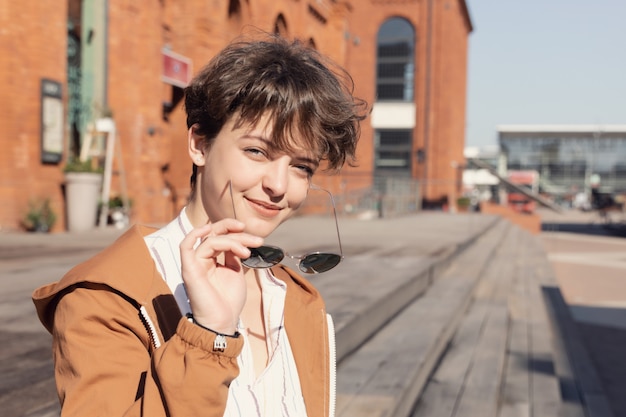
[545,62]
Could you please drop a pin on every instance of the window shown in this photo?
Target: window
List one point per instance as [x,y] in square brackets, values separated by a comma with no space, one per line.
[393,152]
[395,56]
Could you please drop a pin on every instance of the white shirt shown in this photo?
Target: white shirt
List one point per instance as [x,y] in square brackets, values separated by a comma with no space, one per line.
[277,391]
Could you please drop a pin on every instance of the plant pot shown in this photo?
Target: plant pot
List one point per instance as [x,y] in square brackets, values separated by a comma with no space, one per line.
[82,192]
[41,228]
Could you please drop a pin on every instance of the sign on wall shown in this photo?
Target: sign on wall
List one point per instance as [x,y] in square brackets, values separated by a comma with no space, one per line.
[176,69]
[51,122]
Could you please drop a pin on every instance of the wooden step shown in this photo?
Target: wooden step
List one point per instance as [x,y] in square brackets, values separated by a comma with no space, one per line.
[386,374]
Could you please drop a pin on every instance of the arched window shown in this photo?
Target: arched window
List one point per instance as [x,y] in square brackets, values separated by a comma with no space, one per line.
[395,60]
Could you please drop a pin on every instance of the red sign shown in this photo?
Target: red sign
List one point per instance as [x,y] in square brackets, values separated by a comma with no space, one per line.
[176,69]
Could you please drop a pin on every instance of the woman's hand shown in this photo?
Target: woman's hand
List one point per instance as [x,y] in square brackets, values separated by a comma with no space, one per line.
[213,274]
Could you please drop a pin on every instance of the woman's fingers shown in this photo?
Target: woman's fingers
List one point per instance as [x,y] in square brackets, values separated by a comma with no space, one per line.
[225,236]
[221,227]
[229,227]
[232,260]
[236,243]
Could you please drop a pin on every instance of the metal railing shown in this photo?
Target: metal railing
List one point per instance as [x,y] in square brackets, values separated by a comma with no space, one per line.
[386,197]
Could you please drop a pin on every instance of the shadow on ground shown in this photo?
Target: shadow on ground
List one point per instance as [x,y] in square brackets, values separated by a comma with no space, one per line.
[603,333]
[601,329]
[606,345]
[597,229]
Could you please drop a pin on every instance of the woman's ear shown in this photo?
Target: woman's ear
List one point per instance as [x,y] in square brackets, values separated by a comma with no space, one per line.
[196,146]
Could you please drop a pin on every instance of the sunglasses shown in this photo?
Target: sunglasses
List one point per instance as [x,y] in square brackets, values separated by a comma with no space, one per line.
[267,256]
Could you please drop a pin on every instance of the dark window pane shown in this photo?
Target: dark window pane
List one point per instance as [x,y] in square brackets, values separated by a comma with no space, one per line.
[395,54]
[390,92]
[393,152]
[391,70]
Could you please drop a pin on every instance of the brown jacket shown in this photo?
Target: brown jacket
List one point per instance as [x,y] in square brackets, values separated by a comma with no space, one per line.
[108,315]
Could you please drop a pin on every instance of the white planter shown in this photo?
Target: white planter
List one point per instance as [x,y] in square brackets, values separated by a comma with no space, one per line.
[82,191]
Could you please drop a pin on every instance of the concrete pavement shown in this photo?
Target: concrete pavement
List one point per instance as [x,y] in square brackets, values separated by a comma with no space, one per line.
[589,261]
[382,256]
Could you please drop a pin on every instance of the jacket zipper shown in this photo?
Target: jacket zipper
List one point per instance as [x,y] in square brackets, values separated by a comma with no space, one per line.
[332,366]
[152,333]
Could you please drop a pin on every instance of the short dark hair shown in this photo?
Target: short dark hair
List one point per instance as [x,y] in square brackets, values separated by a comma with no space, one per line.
[300,89]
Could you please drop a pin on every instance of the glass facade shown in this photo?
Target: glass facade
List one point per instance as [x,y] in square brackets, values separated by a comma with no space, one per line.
[566,161]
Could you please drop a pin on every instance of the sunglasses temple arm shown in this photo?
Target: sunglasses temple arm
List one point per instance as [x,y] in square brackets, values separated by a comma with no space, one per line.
[332,201]
[230,188]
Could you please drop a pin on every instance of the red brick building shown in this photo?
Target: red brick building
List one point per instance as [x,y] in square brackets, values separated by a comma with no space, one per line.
[408,59]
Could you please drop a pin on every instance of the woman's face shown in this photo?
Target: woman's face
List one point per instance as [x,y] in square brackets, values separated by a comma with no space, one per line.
[267,187]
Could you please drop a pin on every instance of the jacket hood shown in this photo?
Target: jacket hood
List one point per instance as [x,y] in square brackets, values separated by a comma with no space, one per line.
[130,254]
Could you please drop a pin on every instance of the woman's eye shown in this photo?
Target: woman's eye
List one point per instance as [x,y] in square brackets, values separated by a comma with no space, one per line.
[255,151]
[305,169]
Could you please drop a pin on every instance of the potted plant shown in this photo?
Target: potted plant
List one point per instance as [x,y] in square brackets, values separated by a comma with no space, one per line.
[463,204]
[83,181]
[40,216]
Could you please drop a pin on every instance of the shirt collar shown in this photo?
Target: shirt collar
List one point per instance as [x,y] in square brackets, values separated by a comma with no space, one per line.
[183,222]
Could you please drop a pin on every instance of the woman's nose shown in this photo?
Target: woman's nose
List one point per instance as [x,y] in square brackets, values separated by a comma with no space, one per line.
[276,177]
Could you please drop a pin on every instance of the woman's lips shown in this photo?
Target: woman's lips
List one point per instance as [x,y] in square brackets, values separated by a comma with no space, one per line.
[264,209]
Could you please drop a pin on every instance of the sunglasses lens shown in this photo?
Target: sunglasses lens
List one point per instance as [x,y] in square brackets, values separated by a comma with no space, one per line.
[264,257]
[317,263]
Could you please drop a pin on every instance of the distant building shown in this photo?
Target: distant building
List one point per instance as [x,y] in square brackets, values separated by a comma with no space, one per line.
[569,158]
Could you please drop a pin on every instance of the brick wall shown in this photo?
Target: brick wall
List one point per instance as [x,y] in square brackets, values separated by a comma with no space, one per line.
[32,43]
[448,94]
[157,168]
[442,30]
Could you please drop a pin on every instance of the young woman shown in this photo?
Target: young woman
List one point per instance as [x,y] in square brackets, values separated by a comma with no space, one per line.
[181,321]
